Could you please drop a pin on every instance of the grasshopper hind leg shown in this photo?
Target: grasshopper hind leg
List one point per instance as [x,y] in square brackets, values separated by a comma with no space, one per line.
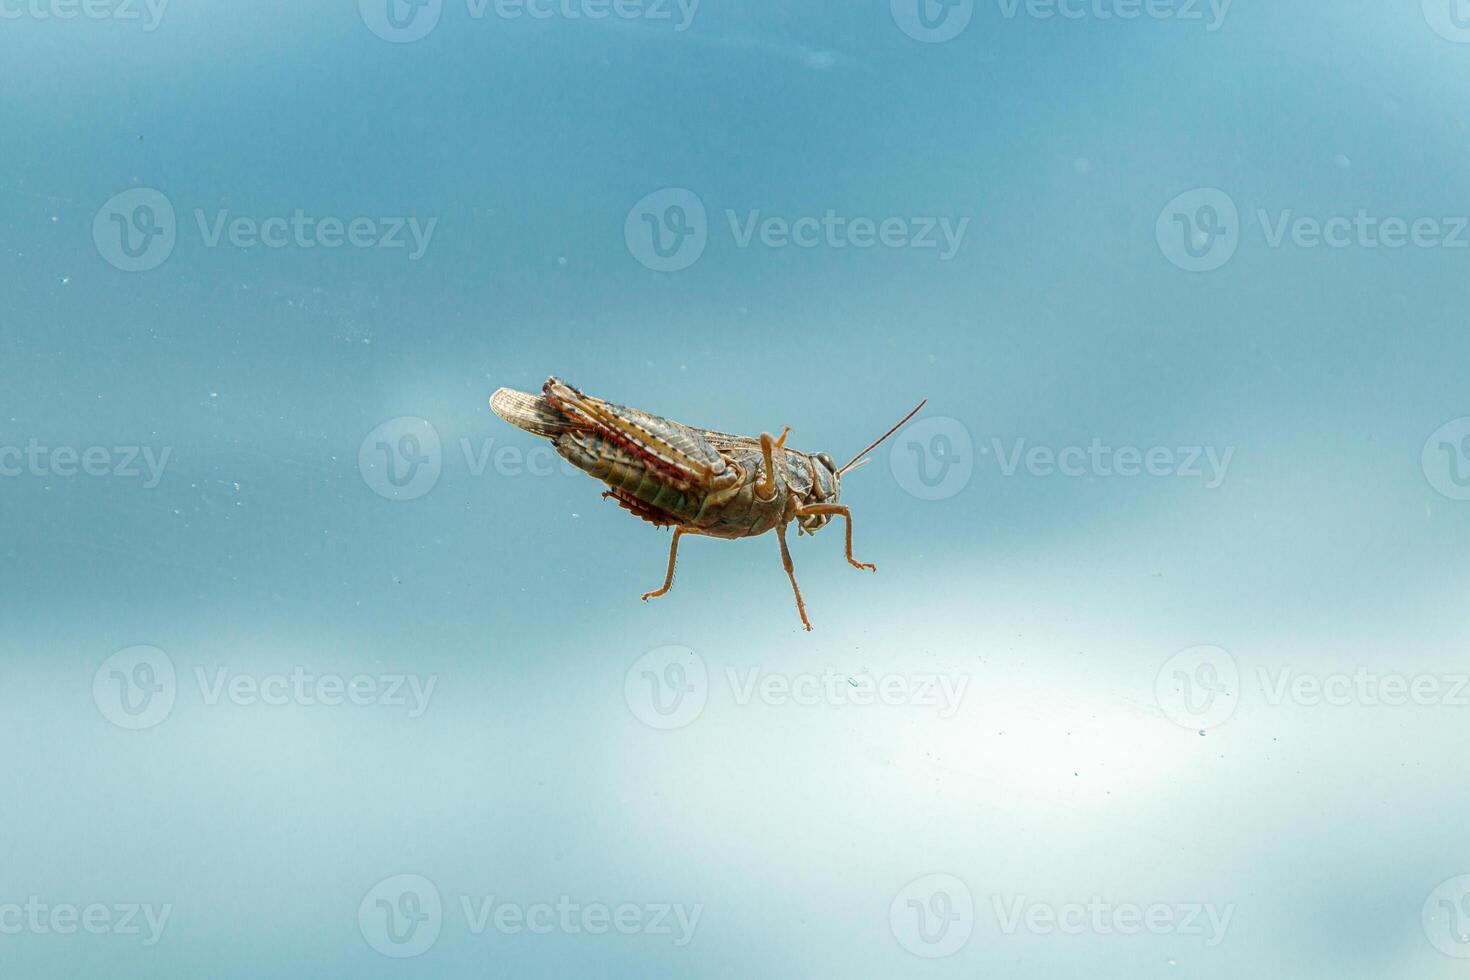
[669,578]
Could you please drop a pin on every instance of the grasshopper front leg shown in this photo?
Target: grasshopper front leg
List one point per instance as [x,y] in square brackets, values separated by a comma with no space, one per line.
[837,510]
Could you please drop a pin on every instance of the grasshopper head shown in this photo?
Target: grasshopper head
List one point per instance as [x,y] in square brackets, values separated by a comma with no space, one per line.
[826,486]
[827,482]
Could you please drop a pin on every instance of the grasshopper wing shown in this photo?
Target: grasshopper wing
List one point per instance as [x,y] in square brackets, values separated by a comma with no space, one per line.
[682,454]
[532,413]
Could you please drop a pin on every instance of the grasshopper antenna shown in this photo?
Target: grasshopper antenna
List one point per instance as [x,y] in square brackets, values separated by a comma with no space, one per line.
[854,462]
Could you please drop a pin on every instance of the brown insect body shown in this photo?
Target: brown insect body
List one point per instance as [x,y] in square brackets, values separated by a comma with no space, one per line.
[698,481]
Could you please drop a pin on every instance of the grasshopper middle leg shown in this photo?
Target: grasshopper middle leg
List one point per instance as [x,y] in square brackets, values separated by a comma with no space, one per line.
[765,485]
[791,574]
[838,510]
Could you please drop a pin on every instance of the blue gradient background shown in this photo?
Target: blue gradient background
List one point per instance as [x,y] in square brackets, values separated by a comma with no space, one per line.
[265,549]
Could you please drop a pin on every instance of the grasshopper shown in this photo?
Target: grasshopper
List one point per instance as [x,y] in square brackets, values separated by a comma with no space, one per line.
[697,481]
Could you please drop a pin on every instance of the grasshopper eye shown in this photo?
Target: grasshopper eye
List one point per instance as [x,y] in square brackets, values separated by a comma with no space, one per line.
[826,461]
